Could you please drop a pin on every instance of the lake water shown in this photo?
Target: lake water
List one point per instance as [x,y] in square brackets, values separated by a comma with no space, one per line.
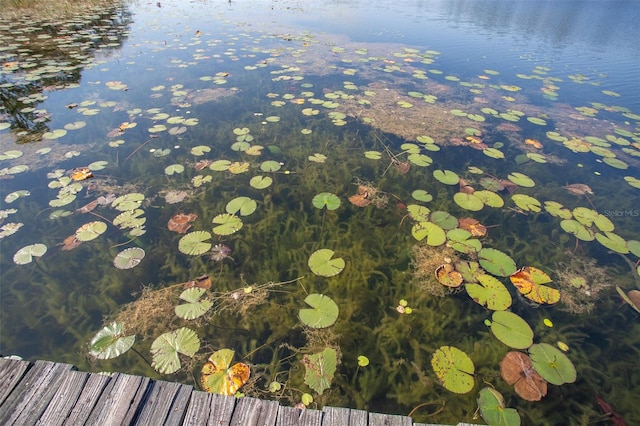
[405,207]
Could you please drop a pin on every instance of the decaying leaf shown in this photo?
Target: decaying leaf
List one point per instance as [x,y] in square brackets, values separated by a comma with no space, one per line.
[181,222]
[81,173]
[517,370]
[448,276]
[579,189]
[473,226]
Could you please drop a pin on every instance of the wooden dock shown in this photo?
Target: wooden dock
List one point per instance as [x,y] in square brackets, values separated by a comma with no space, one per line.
[47,394]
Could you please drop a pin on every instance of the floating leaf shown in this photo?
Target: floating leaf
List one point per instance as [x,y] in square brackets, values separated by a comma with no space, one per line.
[167,346]
[516,369]
[447,276]
[613,242]
[434,234]
[321,263]
[319,369]
[489,292]
[363,361]
[181,222]
[421,195]
[260,182]
[496,262]
[468,201]
[90,231]
[174,169]
[326,199]
[528,280]
[218,376]
[110,342]
[493,411]
[489,198]
[446,176]
[220,165]
[27,253]
[195,307]
[270,166]
[460,240]
[227,224]
[521,179]
[526,202]
[323,312]
[243,205]
[511,330]
[194,243]
[577,229]
[552,364]
[128,258]
[454,369]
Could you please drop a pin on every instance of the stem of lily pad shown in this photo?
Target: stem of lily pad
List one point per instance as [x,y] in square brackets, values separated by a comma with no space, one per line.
[424,404]
[141,356]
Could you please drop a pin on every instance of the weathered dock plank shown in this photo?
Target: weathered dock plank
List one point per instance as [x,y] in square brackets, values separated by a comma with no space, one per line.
[160,404]
[120,400]
[289,416]
[29,399]
[11,372]
[209,409]
[335,416]
[255,412]
[64,399]
[87,400]
[378,419]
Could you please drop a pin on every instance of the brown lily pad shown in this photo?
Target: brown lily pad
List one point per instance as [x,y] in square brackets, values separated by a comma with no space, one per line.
[70,243]
[473,226]
[517,370]
[203,281]
[181,222]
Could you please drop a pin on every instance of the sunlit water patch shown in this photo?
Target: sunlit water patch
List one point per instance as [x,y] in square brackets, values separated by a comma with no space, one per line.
[259,200]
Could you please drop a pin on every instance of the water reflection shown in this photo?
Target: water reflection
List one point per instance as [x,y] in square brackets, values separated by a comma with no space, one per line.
[44,57]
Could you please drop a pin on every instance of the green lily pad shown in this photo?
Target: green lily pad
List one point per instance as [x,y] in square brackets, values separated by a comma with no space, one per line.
[323,312]
[496,262]
[585,216]
[110,342]
[421,195]
[129,201]
[634,247]
[616,163]
[493,411]
[260,182]
[511,330]
[558,210]
[167,346]
[468,201]
[489,292]
[434,234]
[460,240]
[227,224]
[321,263]
[200,150]
[493,153]
[613,242]
[128,258]
[577,229]
[129,219]
[270,166]
[194,243]
[27,253]
[373,155]
[521,179]
[526,202]
[489,198]
[243,205]
[220,165]
[552,364]
[319,369]
[195,306]
[13,196]
[420,160]
[418,213]
[446,176]
[174,169]
[326,199]
[90,231]
[454,369]
[444,220]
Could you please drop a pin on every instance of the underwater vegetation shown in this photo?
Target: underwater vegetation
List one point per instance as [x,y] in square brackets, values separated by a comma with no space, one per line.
[319,222]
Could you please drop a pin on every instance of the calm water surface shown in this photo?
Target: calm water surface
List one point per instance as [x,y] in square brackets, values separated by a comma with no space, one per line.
[495,140]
